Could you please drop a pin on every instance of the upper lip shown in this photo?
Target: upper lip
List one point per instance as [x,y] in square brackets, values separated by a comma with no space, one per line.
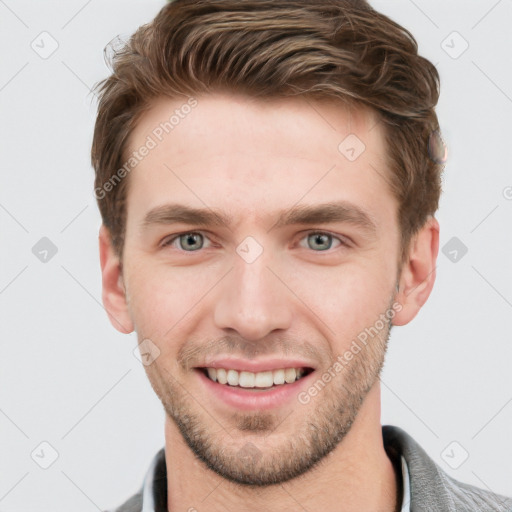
[255,366]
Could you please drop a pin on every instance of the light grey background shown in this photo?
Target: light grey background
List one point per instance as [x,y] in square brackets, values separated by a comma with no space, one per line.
[69,379]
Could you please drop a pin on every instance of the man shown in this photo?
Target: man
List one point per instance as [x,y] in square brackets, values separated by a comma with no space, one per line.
[254,131]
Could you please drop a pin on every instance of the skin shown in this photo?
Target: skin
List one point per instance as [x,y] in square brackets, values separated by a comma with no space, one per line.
[252,159]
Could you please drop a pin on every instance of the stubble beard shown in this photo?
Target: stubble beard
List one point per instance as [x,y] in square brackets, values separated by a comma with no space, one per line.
[255,449]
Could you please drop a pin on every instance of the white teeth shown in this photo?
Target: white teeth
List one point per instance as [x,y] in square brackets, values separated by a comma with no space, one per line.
[246,379]
[278,377]
[290,375]
[233,377]
[263,379]
[221,376]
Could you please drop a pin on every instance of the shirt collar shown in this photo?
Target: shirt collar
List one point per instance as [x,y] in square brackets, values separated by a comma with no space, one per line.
[406,486]
[154,489]
[154,493]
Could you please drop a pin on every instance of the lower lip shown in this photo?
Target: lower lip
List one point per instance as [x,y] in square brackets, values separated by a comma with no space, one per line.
[250,399]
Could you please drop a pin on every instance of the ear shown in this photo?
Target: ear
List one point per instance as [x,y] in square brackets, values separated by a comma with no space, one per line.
[113,295]
[418,273]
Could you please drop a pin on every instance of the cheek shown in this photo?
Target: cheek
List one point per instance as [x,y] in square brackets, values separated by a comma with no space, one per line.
[161,297]
[344,300]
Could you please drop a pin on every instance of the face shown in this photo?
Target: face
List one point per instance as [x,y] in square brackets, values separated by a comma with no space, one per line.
[261,243]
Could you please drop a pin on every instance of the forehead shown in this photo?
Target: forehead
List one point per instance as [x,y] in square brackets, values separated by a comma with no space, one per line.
[232,151]
[253,124]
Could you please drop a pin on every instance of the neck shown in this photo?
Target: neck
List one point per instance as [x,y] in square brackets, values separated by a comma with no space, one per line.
[356,476]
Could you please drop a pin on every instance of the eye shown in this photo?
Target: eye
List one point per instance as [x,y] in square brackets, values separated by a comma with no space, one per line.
[189,242]
[321,241]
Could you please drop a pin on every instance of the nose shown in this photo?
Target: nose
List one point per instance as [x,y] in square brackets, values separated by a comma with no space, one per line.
[252,300]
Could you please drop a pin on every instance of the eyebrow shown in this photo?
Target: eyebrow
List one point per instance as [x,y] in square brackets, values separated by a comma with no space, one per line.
[331,212]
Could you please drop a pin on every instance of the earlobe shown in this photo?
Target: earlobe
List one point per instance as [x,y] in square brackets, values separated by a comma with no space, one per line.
[113,291]
[418,272]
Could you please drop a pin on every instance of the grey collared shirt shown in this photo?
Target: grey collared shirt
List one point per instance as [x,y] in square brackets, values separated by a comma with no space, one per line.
[426,487]
[154,490]
[406,486]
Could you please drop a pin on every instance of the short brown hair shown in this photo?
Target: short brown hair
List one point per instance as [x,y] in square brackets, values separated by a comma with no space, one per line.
[269,49]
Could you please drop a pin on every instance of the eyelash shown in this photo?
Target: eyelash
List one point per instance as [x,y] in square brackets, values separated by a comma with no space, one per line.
[341,241]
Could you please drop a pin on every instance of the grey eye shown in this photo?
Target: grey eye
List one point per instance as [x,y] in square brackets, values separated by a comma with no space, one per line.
[191,241]
[319,241]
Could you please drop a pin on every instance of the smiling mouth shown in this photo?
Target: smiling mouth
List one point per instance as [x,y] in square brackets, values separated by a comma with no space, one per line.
[256,380]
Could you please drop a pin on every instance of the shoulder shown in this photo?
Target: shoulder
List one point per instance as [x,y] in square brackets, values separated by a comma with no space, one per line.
[134,504]
[434,490]
[153,493]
